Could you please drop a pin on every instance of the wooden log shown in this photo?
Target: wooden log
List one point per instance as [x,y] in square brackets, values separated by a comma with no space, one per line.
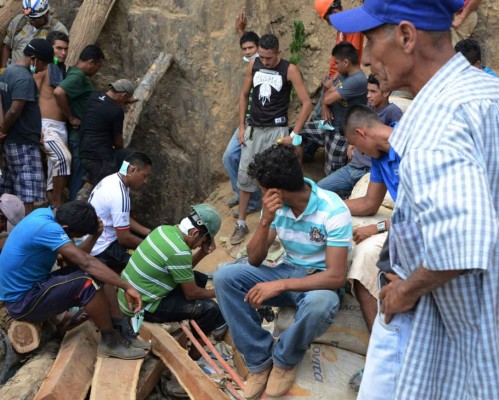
[25,336]
[87,26]
[143,92]
[115,379]
[197,385]
[10,9]
[72,371]
[27,380]
[149,376]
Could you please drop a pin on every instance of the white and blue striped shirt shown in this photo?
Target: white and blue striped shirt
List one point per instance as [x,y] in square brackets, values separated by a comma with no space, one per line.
[326,221]
[446,218]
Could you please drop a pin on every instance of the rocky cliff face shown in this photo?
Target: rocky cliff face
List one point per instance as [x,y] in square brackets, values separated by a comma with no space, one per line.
[193,111]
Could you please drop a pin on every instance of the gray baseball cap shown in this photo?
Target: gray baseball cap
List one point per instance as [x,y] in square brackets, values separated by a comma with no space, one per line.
[123,85]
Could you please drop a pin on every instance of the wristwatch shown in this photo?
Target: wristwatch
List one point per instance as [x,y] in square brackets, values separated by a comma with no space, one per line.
[381,226]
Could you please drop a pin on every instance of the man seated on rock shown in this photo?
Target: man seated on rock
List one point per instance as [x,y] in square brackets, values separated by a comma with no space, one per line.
[349,88]
[366,131]
[11,212]
[343,180]
[471,50]
[314,226]
[101,131]
[34,293]
[161,269]
[378,100]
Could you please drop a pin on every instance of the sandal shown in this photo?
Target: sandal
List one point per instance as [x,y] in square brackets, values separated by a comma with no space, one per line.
[72,320]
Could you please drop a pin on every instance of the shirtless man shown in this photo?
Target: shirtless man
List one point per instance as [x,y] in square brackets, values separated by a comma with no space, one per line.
[54,132]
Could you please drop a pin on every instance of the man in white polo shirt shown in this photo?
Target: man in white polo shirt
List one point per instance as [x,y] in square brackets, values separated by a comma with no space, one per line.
[111,200]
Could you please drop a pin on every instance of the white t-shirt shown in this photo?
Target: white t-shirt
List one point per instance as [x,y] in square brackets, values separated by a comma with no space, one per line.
[111,200]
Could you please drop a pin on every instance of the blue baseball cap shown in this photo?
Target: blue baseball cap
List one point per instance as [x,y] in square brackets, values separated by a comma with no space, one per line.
[426,15]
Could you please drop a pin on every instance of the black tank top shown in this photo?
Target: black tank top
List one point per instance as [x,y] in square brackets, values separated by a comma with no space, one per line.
[271,91]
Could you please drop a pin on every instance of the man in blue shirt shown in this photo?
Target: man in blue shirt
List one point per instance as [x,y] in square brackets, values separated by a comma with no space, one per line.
[366,131]
[314,227]
[34,293]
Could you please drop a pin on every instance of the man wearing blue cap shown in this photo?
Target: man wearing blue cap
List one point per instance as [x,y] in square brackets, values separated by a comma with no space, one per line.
[437,331]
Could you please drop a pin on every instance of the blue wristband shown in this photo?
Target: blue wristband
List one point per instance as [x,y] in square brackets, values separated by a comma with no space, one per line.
[297,139]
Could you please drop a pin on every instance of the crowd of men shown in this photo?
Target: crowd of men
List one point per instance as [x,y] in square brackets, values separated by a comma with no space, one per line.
[426,279]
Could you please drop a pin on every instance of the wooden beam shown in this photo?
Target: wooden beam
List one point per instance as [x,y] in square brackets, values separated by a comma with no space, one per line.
[71,374]
[149,376]
[87,26]
[143,92]
[27,380]
[10,9]
[197,385]
[115,379]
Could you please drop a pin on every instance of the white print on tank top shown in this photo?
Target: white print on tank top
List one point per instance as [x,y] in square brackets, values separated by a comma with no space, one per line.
[268,79]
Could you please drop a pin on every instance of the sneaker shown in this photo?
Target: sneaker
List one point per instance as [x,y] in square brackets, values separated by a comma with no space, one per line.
[249,211]
[256,383]
[219,333]
[233,202]
[280,381]
[356,380]
[122,325]
[115,345]
[239,233]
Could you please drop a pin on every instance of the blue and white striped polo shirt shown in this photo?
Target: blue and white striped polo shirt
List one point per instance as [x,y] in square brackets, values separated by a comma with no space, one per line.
[325,222]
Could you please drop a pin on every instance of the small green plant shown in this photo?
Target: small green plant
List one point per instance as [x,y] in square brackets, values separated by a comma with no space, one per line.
[298,42]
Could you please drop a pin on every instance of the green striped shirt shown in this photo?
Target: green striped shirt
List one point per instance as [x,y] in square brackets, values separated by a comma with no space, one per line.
[161,261]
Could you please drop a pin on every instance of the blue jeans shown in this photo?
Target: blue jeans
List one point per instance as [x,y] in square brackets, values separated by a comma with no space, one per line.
[384,356]
[230,159]
[77,171]
[343,179]
[314,315]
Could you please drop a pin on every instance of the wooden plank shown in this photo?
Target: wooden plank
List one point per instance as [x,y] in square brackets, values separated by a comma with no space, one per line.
[115,379]
[71,374]
[197,385]
[87,26]
[143,92]
[149,376]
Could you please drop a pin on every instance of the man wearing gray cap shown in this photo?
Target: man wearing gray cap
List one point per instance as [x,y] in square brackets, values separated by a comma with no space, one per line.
[22,172]
[437,331]
[101,142]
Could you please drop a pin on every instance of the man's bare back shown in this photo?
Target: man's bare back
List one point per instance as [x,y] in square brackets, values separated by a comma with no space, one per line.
[48,105]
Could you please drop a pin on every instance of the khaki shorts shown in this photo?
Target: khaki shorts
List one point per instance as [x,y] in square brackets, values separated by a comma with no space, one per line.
[364,258]
[257,140]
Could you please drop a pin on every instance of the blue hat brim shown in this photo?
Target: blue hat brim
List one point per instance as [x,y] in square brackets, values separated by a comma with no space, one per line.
[354,20]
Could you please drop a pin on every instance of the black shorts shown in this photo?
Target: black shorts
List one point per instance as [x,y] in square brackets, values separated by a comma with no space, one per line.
[115,257]
[65,288]
[97,170]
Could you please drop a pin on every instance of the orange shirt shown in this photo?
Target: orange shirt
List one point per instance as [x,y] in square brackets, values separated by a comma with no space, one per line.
[357,39]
